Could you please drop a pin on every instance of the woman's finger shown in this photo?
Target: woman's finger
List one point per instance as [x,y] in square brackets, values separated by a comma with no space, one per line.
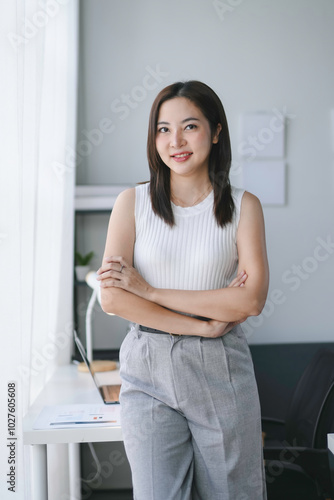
[108,283]
[104,268]
[117,259]
[113,266]
[238,280]
[111,273]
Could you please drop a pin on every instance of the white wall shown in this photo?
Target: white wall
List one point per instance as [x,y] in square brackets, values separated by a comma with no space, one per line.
[257,55]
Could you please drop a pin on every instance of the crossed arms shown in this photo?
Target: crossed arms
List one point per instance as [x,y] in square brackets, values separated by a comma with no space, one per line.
[129,296]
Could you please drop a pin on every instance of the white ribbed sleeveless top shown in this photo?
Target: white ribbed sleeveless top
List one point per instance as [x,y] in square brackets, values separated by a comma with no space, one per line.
[195,254]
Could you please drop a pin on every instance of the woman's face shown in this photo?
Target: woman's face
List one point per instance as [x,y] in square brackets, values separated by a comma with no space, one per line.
[184,137]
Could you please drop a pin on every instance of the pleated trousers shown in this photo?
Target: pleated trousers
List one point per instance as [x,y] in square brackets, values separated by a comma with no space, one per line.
[190,417]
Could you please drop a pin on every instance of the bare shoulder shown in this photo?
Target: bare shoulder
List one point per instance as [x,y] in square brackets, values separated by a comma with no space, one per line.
[250,199]
[250,206]
[126,196]
[125,202]
[121,230]
[251,216]
[123,211]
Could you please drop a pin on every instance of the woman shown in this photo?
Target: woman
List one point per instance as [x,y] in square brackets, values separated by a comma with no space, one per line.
[189,402]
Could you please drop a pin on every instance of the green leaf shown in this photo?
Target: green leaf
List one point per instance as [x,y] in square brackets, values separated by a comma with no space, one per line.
[83,260]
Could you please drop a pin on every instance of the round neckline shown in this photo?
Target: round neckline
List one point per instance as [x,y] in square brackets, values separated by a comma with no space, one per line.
[200,207]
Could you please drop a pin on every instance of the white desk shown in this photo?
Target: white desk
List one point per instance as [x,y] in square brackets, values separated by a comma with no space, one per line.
[67,386]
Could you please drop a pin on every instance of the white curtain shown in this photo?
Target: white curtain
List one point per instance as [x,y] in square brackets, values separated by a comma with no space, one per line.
[38,93]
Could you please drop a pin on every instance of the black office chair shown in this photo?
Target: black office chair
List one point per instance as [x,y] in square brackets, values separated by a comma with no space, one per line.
[295,450]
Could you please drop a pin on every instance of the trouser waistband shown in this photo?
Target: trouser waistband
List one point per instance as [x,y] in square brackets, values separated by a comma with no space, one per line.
[153,330]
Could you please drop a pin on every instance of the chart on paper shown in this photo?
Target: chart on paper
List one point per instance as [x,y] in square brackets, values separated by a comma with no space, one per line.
[83,415]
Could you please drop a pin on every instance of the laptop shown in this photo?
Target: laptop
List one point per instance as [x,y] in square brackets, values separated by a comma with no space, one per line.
[109,393]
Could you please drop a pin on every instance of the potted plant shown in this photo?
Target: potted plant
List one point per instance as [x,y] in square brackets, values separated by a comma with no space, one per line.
[82,265]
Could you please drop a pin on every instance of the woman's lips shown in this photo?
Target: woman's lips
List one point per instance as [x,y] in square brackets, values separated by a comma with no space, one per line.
[182,156]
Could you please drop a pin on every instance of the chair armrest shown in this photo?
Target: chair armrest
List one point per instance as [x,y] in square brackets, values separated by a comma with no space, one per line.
[274,421]
[310,459]
[314,462]
[273,428]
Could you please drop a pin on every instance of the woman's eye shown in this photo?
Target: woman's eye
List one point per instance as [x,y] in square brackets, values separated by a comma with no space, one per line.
[163,129]
[191,126]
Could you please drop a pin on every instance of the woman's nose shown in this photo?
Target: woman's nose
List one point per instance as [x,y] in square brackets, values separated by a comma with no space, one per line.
[177,139]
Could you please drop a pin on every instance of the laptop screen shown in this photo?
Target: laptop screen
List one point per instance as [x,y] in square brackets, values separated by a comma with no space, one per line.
[84,357]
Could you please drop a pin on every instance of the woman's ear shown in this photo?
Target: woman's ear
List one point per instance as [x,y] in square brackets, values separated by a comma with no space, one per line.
[216,135]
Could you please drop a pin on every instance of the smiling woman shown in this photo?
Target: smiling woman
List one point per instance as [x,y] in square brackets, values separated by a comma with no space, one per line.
[189,401]
[184,144]
[199,102]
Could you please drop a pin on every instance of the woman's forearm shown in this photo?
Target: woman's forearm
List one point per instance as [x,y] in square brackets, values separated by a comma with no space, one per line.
[226,304]
[138,310]
[245,296]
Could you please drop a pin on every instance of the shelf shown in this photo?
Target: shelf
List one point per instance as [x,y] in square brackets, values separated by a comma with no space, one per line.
[97,198]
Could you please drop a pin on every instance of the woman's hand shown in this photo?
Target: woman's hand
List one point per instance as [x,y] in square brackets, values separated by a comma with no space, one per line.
[216,328]
[239,280]
[116,272]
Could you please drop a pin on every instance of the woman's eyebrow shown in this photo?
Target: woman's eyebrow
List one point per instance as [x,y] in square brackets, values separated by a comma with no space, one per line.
[183,121]
[190,119]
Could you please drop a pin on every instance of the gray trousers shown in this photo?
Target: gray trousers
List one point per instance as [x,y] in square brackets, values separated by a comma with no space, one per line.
[191,418]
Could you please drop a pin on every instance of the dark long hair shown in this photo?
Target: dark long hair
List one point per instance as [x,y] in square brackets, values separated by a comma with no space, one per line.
[219,160]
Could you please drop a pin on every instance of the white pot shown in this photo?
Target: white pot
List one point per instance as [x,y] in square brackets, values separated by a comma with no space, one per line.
[81,272]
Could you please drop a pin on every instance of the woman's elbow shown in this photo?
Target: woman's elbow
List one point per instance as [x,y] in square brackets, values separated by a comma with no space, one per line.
[110,300]
[257,305]
[256,309]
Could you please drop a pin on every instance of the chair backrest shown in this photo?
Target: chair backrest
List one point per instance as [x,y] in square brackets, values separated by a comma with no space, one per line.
[325,423]
[311,412]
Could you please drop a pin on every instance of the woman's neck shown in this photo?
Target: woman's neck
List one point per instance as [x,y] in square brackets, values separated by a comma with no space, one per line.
[188,193]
